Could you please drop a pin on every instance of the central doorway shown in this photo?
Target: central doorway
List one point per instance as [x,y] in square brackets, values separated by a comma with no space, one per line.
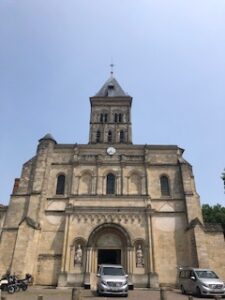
[109,256]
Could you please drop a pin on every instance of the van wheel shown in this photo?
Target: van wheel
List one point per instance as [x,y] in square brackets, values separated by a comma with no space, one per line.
[183,290]
[198,292]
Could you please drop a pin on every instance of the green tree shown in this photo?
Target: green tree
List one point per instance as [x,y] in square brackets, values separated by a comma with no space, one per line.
[214,214]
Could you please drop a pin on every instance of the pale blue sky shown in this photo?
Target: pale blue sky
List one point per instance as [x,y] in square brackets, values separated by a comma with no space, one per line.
[169,55]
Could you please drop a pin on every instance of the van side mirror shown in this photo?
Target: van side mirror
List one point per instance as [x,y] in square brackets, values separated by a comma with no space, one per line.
[126,275]
[193,278]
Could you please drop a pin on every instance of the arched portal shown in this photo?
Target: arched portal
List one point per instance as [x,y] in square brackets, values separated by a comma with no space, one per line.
[108,243]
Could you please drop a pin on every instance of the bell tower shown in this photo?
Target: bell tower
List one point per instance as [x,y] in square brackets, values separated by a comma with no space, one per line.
[110,121]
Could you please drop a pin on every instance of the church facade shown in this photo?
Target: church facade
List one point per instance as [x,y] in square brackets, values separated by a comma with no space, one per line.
[76,206]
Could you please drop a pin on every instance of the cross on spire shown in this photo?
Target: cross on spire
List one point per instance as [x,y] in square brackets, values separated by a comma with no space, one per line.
[111,66]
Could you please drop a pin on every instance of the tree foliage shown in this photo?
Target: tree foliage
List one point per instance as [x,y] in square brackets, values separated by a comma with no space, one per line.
[214,214]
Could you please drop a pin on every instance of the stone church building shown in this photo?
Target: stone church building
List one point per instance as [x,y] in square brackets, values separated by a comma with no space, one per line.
[76,206]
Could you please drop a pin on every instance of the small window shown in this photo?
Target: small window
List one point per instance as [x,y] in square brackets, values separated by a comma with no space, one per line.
[110,184]
[118,118]
[110,90]
[60,187]
[103,117]
[109,136]
[98,136]
[164,182]
[122,136]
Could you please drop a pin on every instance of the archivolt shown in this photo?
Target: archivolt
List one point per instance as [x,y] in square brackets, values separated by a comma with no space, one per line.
[101,228]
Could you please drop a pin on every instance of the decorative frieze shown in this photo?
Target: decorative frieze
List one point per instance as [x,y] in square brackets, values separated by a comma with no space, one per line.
[97,218]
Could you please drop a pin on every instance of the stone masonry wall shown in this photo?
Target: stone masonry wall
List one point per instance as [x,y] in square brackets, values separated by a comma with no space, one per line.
[216,252]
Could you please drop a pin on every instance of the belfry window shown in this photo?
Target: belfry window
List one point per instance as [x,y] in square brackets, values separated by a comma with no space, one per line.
[164,183]
[109,136]
[118,118]
[122,136]
[103,117]
[98,136]
[110,184]
[60,187]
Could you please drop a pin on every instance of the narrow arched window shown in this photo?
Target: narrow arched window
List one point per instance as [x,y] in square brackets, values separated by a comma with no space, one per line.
[122,136]
[118,118]
[98,136]
[60,187]
[103,118]
[110,184]
[109,136]
[164,183]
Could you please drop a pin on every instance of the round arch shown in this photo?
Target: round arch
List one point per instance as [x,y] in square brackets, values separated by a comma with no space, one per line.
[118,229]
[108,243]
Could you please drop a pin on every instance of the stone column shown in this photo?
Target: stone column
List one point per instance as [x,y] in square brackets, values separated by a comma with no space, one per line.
[121,178]
[118,185]
[93,185]
[88,260]
[129,260]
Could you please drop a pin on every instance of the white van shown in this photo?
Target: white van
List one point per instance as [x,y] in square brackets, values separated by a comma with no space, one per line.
[112,279]
[200,282]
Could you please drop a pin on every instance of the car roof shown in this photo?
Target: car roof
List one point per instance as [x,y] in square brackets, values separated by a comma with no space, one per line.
[194,269]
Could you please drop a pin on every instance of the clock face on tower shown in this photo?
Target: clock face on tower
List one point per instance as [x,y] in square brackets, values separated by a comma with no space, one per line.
[111,150]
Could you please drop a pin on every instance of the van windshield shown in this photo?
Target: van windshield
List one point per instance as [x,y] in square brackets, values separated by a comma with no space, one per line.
[206,274]
[113,271]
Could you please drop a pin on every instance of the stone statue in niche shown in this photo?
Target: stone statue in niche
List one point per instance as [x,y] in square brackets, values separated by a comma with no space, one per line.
[139,257]
[78,255]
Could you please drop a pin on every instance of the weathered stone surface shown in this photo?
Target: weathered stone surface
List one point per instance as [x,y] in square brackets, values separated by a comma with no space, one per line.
[42,229]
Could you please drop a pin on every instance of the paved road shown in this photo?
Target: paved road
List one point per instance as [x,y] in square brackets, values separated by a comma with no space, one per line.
[65,294]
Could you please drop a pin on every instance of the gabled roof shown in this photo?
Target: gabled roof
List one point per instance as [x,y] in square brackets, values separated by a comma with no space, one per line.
[111,88]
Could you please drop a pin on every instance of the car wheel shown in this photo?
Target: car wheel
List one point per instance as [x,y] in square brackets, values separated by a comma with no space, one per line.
[198,292]
[183,290]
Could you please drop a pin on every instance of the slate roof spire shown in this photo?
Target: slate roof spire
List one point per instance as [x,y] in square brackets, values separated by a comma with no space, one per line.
[111,88]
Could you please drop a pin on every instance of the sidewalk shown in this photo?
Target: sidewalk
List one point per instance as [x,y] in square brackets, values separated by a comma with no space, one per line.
[66,294]
[33,292]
